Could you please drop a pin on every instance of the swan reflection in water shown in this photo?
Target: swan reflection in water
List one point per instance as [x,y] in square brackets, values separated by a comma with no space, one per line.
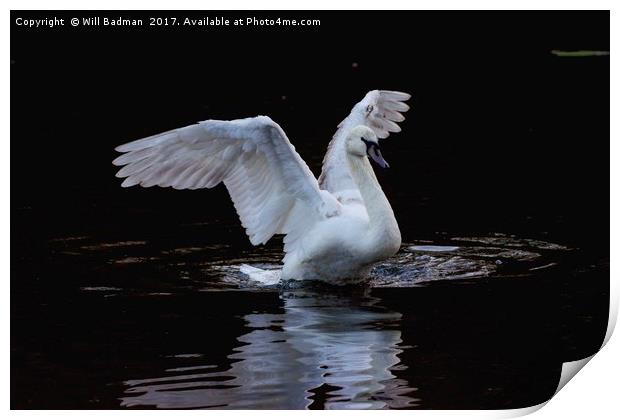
[325,351]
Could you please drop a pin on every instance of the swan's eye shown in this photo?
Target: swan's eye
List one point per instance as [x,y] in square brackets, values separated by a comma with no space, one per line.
[370,145]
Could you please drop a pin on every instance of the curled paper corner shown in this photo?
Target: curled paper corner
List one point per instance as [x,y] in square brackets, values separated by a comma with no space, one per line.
[613,313]
[569,370]
[520,412]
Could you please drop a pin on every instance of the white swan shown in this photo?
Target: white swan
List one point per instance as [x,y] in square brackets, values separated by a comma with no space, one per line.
[335,228]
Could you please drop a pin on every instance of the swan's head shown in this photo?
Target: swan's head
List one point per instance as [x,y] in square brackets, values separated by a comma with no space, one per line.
[363,141]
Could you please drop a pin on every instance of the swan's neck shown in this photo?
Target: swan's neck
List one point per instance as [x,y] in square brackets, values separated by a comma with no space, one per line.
[383,226]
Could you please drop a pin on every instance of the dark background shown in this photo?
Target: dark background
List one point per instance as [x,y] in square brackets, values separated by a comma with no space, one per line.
[503,136]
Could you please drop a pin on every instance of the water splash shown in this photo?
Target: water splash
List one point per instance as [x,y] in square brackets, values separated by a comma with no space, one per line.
[219,267]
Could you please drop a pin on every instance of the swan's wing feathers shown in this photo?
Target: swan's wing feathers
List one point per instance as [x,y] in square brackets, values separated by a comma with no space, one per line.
[380,110]
[259,166]
[383,110]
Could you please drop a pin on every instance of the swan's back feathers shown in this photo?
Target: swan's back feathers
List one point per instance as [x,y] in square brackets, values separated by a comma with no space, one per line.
[379,110]
[269,183]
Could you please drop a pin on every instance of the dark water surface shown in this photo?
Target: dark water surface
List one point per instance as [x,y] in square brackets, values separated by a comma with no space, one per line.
[460,322]
[132,298]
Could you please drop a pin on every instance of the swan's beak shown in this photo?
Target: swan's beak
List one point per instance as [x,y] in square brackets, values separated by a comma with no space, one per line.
[375,154]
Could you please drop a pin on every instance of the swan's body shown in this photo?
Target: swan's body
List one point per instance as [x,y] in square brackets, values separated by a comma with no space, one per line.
[335,228]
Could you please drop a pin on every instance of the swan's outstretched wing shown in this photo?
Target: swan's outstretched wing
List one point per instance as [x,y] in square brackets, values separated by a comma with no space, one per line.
[271,186]
[379,110]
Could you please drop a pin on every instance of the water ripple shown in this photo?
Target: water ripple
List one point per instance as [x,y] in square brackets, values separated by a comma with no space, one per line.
[325,352]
